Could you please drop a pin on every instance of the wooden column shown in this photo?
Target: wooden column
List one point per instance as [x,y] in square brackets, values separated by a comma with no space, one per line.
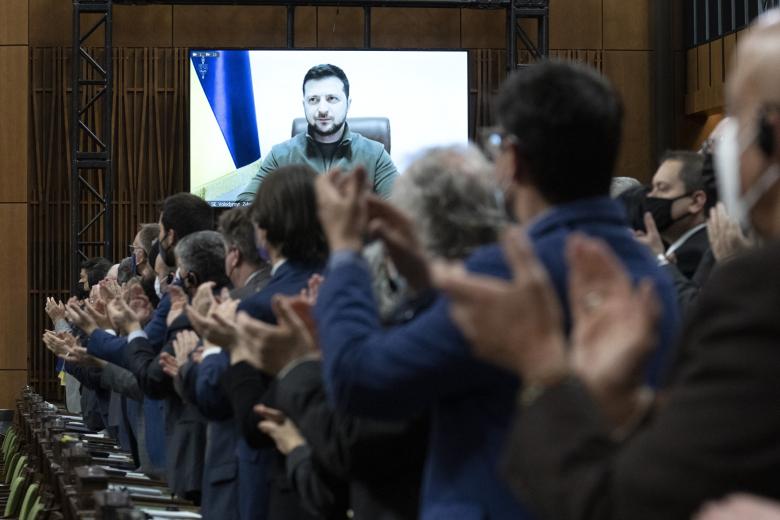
[14,134]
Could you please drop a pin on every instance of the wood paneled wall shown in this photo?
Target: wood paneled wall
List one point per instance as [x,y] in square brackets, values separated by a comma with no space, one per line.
[150,110]
[14,86]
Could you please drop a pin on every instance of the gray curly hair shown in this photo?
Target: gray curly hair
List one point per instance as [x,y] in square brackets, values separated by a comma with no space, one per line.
[451,193]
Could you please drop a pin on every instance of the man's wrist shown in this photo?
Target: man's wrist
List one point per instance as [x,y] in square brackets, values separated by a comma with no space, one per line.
[132,326]
[339,243]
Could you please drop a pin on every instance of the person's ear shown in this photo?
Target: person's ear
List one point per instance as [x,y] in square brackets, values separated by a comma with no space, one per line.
[349,102]
[698,202]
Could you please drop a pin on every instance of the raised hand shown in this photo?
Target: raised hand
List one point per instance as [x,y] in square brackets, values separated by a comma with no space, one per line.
[651,237]
[397,231]
[219,325]
[515,324]
[284,433]
[272,347]
[55,309]
[178,303]
[312,290]
[186,341]
[613,325]
[122,317]
[109,289]
[80,317]
[726,237]
[169,364]
[56,343]
[204,299]
[341,201]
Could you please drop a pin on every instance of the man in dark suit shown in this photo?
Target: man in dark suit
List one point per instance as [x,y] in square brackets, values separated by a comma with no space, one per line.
[680,198]
[716,431]
[426,364]
[200,258]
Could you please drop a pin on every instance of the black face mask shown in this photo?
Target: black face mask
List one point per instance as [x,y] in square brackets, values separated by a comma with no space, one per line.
[661,209]
[168,257]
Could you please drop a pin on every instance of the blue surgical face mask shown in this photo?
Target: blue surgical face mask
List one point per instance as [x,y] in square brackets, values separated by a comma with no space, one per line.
[264,255]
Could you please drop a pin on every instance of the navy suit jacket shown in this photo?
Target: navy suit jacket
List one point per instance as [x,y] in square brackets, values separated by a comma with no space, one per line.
[427,363]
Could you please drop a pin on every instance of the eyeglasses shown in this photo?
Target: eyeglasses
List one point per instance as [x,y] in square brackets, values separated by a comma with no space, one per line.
[493,140]
[133,248]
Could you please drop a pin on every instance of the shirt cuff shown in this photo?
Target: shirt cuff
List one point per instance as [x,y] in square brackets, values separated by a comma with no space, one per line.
[343,257]
[110,331]
[136,334]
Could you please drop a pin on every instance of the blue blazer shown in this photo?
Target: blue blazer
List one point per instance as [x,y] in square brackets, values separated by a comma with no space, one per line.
[427,364]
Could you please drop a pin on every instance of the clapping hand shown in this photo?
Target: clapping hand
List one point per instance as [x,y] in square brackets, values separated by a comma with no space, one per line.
[341,203]
[55,309]
[651,237]
[740,506]
[178,303]
[281,429]
[122,316]
[218,326]
[81,318]
[613,326]
[725,235]
[271,347]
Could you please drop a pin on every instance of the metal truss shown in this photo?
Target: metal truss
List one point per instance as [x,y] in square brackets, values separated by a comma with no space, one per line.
[90,133]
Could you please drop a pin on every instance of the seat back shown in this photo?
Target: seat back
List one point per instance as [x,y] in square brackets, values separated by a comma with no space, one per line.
[10,468]
[37,510]
[27,503]
[14,499]
[21,463]
[374,128]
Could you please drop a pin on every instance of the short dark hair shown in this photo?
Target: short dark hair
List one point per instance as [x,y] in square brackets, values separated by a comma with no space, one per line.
[326,70]
[96,268]
[567,119]
[185,214]
[286,208]
[237,230]
[203,253]
[696,173]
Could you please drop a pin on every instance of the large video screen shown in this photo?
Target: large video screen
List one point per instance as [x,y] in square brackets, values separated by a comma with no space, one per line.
[244,105]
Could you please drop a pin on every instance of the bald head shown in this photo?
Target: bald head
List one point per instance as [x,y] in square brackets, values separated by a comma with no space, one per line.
[753,101]
[756,77]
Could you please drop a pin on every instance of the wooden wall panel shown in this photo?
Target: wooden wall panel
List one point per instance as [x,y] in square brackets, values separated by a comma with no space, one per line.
[229,26]
[143,25]
[306,27]
[483,29]
[630,73]
[415,28]
[13,297]
[12,382]
[50,23]
[627,25]
[340,27]
[729,53]
[13,22]
[13,130]
[576,24]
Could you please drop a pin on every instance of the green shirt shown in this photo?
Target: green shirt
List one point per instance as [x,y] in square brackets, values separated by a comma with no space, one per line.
[352,150]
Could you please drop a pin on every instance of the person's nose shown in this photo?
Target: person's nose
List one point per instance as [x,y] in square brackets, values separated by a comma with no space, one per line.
[322,109]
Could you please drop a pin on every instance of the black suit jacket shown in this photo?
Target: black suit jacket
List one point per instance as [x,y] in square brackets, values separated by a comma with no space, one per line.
[717,433]
[690,254]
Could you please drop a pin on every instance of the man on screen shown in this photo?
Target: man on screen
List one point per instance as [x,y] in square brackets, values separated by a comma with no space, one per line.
[328,143]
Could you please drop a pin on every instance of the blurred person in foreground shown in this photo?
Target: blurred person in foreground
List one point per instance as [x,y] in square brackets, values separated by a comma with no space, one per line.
[587,442]
[426,365]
